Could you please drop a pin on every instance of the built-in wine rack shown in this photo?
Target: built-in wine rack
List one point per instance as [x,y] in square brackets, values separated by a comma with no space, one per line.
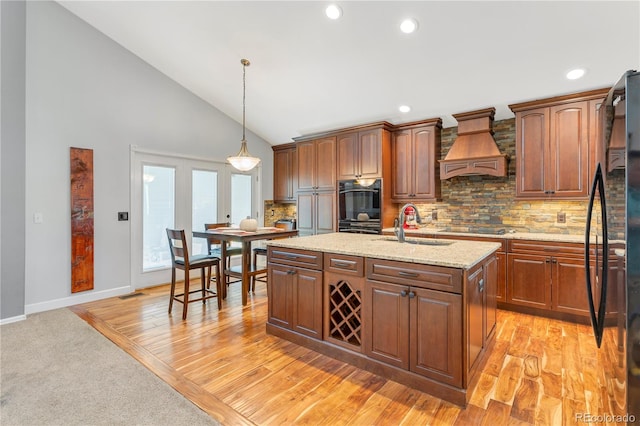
[345,317]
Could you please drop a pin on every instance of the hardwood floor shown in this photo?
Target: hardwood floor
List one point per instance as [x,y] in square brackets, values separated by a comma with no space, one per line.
[541,371]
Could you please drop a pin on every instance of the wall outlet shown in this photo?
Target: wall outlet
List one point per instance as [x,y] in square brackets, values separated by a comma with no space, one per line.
[434,215]
[123,216]
[562,217]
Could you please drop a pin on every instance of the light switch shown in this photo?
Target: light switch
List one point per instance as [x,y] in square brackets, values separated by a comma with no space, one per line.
[37,217]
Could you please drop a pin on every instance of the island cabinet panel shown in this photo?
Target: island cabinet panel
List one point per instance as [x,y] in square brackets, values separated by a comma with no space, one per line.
[435,335]
[433,277]
[344,285]
[387,316]
[295,291]
[475,316]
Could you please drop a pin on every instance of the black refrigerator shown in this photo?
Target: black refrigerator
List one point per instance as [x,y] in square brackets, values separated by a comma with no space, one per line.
[612,254]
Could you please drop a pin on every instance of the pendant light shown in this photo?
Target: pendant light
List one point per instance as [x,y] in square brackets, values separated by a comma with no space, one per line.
[243,161]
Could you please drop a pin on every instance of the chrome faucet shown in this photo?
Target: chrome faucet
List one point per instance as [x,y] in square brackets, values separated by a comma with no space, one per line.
[399,222]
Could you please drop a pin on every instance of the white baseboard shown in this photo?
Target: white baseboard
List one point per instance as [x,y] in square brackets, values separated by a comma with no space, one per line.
[76,300]
[13,319]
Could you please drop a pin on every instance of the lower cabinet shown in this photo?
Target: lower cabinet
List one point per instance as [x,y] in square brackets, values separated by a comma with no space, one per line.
[550,277]
[295,295]
[415,328]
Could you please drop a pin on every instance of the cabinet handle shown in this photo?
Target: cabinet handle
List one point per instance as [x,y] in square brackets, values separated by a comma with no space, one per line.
[408,274]
[403,293]
[342,265]
[553,260]
[547,260]
[481,285]
[411,295]
[291,272]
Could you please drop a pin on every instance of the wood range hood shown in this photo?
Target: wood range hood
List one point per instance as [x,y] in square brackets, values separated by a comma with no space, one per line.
[474,152]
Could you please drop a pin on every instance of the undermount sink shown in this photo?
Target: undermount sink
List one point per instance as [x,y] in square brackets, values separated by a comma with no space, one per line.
[419,241]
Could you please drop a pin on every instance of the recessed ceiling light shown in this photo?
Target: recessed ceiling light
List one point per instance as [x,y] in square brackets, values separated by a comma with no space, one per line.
[575,74]
[404,108]
[333,11]
[408,25]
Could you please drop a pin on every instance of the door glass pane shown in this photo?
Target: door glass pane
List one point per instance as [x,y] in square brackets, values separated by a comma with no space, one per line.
[204,204]
[158,213]
[241,196]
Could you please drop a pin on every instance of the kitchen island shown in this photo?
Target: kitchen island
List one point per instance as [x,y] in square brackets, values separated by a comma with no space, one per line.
[421,313]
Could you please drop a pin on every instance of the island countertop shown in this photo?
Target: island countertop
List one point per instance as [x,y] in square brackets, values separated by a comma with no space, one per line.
[449,253]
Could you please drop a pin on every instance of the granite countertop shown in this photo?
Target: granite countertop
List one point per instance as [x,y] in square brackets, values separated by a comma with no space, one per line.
[563,238]
[450,253]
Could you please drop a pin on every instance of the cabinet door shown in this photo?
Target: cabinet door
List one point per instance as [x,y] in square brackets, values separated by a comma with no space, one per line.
[475,316]
[569,148]
[307,302]
[436,334]
[325,212]
[283,175]
[491,277]
[280,295]
[306,165]
[501,286]
[529,281]
[306,208]
[370,154]
[532,142]
[325,166]
[402,164]
[386,312]
[347,156]
[569,286]
[426,182]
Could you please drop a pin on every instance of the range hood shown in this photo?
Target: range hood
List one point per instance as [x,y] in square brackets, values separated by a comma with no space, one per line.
[474,152]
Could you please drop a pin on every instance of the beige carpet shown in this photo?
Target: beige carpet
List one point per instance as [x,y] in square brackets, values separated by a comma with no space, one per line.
[55,369]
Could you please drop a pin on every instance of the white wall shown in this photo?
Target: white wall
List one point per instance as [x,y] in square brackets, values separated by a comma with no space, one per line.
[84,90]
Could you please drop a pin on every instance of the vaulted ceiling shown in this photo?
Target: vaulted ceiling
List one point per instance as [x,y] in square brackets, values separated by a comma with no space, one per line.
[309,73]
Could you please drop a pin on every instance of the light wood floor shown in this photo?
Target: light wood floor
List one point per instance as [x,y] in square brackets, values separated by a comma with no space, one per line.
[541,371]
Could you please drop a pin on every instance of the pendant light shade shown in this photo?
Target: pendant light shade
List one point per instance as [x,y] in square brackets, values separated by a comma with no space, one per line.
[243,161]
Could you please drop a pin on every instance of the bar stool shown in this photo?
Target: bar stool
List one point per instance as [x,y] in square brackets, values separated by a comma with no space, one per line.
[180,259]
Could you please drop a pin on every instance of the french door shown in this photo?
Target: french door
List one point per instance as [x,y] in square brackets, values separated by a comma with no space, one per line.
[176,192]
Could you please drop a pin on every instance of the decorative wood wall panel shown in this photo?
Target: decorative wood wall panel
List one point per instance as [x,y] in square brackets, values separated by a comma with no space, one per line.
[81,219]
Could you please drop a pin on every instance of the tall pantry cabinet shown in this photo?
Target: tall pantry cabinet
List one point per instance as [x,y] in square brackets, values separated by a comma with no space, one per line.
[316,196]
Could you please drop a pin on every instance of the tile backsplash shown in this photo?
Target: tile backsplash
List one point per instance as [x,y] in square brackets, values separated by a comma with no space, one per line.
[275,211]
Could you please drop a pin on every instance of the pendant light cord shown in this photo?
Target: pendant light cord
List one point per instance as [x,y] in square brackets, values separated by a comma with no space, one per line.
[244,91]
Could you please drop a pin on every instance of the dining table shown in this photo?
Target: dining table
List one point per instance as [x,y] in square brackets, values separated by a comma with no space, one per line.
[245,270]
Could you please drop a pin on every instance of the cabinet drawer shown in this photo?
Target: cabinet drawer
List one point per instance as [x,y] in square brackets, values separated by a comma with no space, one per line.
[433,277]
[345,264]
[546,248]
[295,257]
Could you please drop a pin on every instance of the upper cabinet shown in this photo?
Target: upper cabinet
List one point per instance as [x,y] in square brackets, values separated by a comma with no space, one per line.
[317,164]
[554,147]
[415,149]
[285,173]
[361,153]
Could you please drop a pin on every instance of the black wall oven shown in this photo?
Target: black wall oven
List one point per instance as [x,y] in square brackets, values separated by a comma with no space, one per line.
[359,206]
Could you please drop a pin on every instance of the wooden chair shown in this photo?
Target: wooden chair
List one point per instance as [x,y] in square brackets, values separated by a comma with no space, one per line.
[261,275]
[214,246]
[180,259]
